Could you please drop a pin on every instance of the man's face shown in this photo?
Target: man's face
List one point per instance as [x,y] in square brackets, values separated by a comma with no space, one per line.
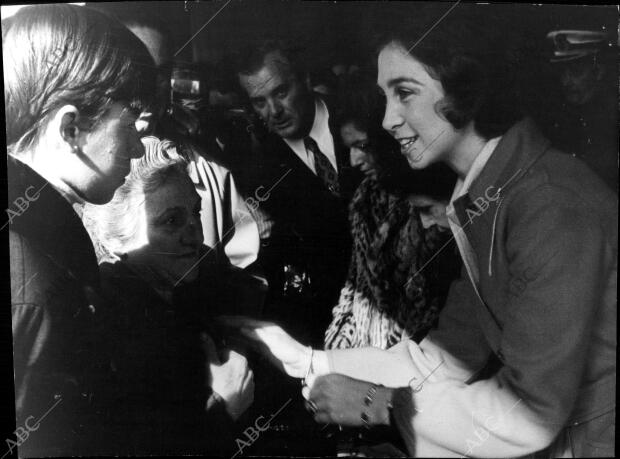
[280,98]
[579,80]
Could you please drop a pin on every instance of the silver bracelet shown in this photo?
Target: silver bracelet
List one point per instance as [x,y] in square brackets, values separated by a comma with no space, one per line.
[370,397]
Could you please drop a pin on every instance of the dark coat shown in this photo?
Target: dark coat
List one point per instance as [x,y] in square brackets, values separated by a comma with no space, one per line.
[56,317]
[122,377]
[159,369]
[310,227]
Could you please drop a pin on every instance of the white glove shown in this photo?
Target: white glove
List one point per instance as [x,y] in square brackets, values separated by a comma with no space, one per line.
[231,379]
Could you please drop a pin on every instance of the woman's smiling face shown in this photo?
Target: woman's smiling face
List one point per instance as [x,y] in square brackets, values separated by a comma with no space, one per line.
[412,95]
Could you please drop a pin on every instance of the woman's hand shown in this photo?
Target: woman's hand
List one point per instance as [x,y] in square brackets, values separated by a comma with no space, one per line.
[232,379]
[338,399]
[285,352]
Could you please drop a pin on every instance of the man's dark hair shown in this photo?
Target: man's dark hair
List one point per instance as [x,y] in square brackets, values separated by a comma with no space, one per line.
[465,52]
[250,59]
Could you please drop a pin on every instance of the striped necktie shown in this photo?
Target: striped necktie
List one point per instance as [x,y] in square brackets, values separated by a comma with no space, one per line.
[324,168]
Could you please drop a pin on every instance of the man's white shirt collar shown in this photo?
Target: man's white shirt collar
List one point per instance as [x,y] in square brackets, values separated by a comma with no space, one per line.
[321,134]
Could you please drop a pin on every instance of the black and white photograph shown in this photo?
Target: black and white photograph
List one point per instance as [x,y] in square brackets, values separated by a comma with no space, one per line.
[288,228]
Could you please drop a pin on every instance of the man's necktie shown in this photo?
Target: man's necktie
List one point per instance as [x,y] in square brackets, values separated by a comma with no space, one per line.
[324,168]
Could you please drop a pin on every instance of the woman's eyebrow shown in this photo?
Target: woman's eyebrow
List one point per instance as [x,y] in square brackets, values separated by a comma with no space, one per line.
[395,81]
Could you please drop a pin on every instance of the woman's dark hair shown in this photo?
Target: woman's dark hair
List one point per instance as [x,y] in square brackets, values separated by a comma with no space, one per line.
[469,52]
[360,103]
[66,54]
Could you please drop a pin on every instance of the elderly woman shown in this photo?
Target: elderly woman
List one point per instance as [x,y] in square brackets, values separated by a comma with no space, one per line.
[397,223]
[167,366]
[74,85]
[524,357]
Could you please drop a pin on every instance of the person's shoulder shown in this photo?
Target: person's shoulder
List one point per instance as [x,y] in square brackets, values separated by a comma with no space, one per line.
[117,279]
[558,193]
[30,285]
[545,172]
[331,102]
[127,293]
[566,172]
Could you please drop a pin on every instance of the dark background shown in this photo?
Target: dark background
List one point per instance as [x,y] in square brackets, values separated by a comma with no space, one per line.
[340,31]
[330,32]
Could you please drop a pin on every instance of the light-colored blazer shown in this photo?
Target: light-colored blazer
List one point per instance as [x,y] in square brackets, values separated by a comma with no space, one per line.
[546,252]
[228,227]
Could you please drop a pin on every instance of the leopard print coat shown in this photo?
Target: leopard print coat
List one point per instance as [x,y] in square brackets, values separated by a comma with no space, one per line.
[398,276]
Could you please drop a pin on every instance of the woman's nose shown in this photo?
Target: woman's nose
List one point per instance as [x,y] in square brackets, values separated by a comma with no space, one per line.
[356,157]
[391,118]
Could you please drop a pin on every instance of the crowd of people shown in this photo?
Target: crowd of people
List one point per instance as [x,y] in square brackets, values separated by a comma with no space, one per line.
[404,239]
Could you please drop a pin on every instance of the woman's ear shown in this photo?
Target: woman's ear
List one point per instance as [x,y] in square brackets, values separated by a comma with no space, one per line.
[65,128]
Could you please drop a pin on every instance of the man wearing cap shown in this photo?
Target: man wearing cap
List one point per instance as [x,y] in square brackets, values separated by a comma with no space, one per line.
[585,121]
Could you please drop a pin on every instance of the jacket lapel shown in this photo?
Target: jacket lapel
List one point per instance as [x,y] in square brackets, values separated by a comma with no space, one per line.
[519,148]
[287,159]
[51,224]
[477,210]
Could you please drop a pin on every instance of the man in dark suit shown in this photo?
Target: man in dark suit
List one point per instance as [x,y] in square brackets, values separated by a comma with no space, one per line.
[295,178]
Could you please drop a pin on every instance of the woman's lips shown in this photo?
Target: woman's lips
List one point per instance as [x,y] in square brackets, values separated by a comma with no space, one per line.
[407,146]
[366,170]
[407,143]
